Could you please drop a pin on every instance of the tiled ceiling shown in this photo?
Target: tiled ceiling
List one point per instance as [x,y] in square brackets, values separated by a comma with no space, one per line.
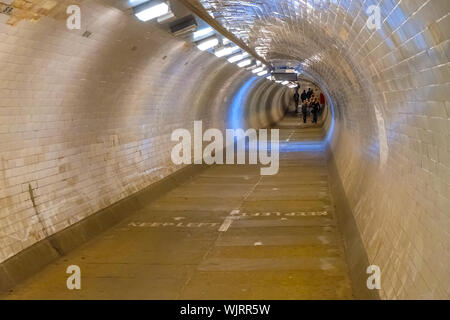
[277,29]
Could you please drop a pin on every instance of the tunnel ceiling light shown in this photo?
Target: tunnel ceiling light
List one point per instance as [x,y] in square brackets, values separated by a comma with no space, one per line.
[226,51]
[202,33]
[258,70]
[226,41]
[135,3]
[285,83]
[244,63]
[238,57]
[262,73]
[234,49]
[208,44]
[151,10]
[166,18]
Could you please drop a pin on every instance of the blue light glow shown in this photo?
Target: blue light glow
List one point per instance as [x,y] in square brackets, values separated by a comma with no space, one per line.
[236,118]
[331,129]
[299,146]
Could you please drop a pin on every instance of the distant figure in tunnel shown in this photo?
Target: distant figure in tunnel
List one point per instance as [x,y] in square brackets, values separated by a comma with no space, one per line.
[296,99]
[303,96]
[317,104]
[309,94]
[315,110]
[305,110]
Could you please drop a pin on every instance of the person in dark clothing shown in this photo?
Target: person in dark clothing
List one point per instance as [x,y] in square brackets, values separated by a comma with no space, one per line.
[316,103]
[309,94]
[303,97]
[315,111]
[305,110]
[296,99]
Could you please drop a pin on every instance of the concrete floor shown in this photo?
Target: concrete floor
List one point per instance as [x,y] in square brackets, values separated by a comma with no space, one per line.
[282,243]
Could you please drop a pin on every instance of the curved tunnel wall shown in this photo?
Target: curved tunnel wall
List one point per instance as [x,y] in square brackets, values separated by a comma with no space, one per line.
[389,151]
[390,148]
[85,122]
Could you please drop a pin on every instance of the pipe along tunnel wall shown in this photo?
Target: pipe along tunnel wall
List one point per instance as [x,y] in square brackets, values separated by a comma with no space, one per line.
[86,122]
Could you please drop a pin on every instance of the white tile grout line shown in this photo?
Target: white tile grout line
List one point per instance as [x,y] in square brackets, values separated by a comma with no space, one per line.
[234,214]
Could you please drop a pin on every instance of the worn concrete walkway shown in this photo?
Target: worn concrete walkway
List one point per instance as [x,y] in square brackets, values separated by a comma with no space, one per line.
[228,233]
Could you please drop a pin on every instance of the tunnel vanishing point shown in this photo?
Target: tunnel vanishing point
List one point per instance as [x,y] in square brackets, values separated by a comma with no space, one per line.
[92,206]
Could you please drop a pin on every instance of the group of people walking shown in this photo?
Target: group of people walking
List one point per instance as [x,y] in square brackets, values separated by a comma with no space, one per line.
[310,104]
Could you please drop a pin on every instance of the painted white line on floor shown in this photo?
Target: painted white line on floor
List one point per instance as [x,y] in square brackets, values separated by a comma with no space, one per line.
[235,212]
[226,224]
[229,220]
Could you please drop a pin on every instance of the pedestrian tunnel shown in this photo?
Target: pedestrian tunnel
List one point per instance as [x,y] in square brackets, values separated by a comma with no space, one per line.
[90,98]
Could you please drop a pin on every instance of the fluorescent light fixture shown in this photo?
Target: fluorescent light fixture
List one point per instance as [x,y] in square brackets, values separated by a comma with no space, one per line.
[258,63]
[136,2]
[166,17]
[226,51]
[203,32]
[238,57]
[151,11]
[269,77]
[235,58]
[226,41]
[258,70]
[234,49]
[208,44]
[285,83]
[222,52]
[244,63]
[262,73]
